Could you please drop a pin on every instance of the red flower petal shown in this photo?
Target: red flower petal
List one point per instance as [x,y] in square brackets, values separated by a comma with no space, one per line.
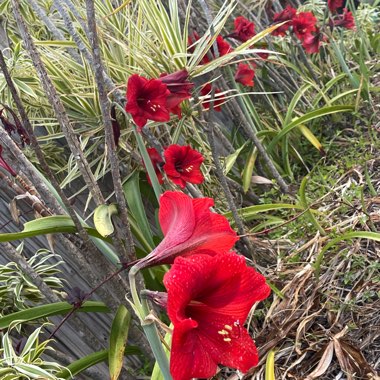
[303,24]
[334,5]
[209,299]
[156,162]
[244,75]
[189,225]
[244,29]
[183,165]
[286,15]
[218,100]
[146,99]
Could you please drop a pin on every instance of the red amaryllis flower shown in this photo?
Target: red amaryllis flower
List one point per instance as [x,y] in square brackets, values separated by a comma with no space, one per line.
[182,164]
[223,47]
[244,29]
[217,101]
[188,225]
[312,42]
[334,5]
[179,86]
[5,166]
[157,162]
[303,24]
[286,15]
[209,299]
[146,99]
[244,75]
[345,20]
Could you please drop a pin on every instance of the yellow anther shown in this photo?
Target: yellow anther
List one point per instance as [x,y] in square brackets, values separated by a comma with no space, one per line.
[228,327]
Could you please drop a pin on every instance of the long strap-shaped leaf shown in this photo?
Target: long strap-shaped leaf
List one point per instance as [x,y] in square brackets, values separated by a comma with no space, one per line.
[57,308]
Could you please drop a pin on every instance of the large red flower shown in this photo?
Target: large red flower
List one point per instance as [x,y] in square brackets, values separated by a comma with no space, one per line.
[286,15]
[244,75]
[334,5]
[182,164]
[209,299]
[303,24]
[146,99]
[217,101]
[345,20]
[179,87]
[188,225]
[244,29]
[157,162]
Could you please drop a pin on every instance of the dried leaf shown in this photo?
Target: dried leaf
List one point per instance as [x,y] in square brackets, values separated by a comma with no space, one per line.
[259,180]
[15,212]
[324,363]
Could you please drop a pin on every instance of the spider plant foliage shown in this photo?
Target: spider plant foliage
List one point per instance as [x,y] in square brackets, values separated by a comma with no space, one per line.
[17,290]
[22,359]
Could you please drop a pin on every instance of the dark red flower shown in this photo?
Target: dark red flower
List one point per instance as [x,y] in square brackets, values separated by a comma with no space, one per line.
[303,24]
[182,164]
[146,100]
[334,5]
[16,128]
[188,225]
[157,163]
[223,47]
[115,126]
[286,15]
[179,87]
[244,75]
[218,100]
[244,29]
[345,20]
[209,299]
[5,166]
[312,42]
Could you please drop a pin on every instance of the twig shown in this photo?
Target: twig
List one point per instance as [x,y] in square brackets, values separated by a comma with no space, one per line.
[58,108]
[211,139]
[110,141]
[57,34]
[13,255]
[40,155]
[256,141]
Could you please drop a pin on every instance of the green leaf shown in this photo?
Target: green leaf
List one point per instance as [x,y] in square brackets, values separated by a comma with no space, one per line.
[118,341]
[57,308]
[33,371]
[311,137]
[230,160]
[248,213]
[269,366]
[307,117]
[347,236]
[103,219]
[248,168]
[91,360]
[48,225]
[136,207]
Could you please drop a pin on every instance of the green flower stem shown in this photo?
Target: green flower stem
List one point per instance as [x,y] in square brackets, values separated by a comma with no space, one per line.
[149,327]
[148,164]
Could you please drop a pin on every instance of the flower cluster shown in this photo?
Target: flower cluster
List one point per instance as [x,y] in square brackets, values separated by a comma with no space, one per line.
[303,25]
[210,289]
